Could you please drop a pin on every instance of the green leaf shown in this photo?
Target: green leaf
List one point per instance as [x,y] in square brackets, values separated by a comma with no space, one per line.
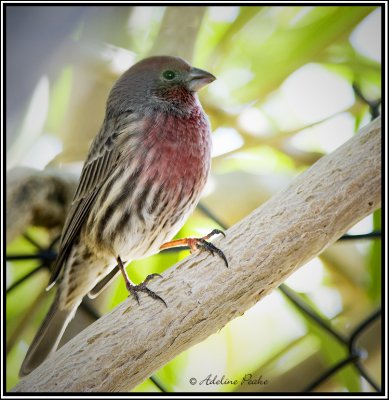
[287,48]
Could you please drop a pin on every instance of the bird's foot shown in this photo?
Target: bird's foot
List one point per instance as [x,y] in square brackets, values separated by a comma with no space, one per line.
[134,289]
[198,244]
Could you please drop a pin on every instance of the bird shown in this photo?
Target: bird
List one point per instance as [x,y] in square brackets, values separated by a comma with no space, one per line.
[143,176]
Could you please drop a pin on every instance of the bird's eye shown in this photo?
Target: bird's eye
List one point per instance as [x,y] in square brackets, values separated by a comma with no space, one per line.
[169,75]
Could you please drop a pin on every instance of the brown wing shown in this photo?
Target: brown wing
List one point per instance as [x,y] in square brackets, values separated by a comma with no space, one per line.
[100,164]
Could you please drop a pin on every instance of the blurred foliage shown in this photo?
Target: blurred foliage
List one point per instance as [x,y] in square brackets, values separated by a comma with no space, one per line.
[283,98]
[374,263]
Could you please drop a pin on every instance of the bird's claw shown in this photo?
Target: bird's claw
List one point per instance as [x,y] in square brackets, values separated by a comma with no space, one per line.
[134,289]
[198,244]
[202,244]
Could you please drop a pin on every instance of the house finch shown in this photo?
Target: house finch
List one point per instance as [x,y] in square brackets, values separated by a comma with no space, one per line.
[143,176]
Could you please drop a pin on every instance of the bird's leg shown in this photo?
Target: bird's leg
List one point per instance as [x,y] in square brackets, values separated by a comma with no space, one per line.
[198,244]
[133,289]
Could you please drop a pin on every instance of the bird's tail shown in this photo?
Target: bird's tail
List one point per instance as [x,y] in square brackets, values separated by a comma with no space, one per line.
[48,336]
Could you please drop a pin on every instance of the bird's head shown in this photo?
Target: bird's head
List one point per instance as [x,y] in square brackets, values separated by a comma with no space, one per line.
[160,82]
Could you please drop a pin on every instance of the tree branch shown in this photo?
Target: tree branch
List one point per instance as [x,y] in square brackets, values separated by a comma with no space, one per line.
[39,198]
[178,32]
[126,346]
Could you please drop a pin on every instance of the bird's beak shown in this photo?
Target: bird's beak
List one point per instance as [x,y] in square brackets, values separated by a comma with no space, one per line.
[198,78]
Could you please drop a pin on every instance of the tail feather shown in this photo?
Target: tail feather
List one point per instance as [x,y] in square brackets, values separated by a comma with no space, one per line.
[48,336]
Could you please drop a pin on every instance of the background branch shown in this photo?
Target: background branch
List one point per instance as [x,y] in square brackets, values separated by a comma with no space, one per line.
[178,32]
[39,198]
[124,347]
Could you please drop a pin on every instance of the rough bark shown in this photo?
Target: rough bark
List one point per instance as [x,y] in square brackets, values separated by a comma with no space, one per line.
[124,347]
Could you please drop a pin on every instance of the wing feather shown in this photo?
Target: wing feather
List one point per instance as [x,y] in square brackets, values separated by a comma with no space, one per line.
[100,164]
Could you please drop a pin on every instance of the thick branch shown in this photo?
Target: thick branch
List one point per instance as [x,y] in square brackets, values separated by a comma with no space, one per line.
[124,347]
